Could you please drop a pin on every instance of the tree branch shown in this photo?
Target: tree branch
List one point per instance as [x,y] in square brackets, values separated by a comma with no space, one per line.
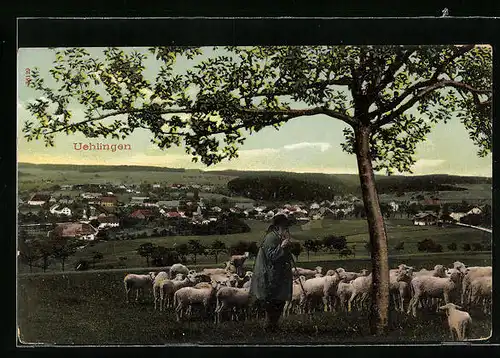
[441,84]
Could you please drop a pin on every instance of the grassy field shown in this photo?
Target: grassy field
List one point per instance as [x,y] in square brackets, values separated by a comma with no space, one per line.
[89,308]
[356,231]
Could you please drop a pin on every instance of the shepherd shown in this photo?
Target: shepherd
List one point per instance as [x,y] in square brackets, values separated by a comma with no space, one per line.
[272,275]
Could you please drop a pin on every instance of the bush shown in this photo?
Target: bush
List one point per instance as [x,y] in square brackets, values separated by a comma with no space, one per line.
[452,246]
[466,247]
[429,245]
[477,246]
[400,246]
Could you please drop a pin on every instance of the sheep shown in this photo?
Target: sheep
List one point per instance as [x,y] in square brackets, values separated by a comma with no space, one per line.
[349,276]
[473,273]
[330,273]
[238,261]
[299,271]
[481,290]
[319,287]
[186,297]
[296,297]
[361,288]
[178,268]
[344,293]
[137,282]
[459,322]
[214,271]
[399,287]
[438,271]
[157,282]
[231,298]
[169,287]
[433,287]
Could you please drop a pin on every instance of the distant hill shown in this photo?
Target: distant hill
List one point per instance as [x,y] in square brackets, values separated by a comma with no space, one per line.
[286,183]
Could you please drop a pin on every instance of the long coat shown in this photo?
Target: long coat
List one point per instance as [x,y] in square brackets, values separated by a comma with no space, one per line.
[272,276]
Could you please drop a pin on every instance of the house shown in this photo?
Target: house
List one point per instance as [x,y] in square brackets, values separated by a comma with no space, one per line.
[66,200]
[52,200]
[314,206]
[457,216]
[138,199]
[108,201]
[422,219]
[142,214]
[156,186]
[432,201]
[169,204]
[91,195]
[108,221]
[394,206]
[476,210]
[79,230]
[66,187]
[38,199]
[216,209]
[54,209]
[150,203]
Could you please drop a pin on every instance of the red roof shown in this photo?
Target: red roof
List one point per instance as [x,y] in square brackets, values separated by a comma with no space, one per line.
[108,219]
[173,214]
[141,213]
[75,229]
[109,199]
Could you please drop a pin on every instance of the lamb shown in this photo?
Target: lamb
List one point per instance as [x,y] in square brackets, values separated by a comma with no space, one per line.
[238,261]
[433,287]
[319,287]
[137,282]
[361,288]
[481,290]
[214,271]
[346,276]
[459,322]
[299,271]
[231,298]
[186,297]
[178,268]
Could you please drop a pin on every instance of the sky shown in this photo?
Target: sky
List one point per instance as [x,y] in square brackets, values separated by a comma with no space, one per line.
[305,144]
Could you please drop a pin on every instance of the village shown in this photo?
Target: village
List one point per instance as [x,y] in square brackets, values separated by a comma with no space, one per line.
[107,211]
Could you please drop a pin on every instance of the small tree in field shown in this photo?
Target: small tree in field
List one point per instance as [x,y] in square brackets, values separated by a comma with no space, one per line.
[29,253]
[388,98]
[216,248]
[96,256]
[146,250]
[400,246]
[196,248]
[62,249]
[452,246]
[309,246]
[466,247]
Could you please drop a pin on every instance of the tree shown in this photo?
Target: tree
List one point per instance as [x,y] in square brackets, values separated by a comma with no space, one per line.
[196,248]
[62,249]
[309,246]
[96,256]
[296,249]
[466,247]
[333,242]
[452,246]
[146,250]
[183,251]
[29,253]
[387,96]
[216,248]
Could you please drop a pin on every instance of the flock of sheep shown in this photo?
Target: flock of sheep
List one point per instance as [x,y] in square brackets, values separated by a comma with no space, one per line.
[224,293]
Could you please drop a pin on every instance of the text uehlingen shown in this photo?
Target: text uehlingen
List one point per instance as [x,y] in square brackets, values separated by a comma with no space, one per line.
[101,146]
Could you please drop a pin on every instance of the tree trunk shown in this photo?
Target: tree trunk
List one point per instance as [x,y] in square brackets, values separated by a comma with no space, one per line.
[62,264]
[379,315]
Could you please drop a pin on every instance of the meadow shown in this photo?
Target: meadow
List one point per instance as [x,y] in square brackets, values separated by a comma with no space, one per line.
[89,308]
[398,230]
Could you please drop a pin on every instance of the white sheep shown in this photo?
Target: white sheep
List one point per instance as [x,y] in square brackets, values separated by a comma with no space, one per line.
[137,282]
[296,297]
[399,283]
[169,287]
[344,293]
[481,290]
[233,299]
[186,297]
[346,276]
[214,271]
[459,322]
[361,290]
[471,274]
[319,287]
[178,269]
[157,282]
[433,287]
[299,271]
